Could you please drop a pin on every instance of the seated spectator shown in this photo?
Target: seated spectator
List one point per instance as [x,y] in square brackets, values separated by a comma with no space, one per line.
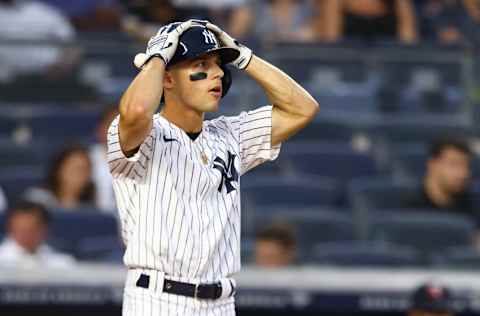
[275,246]
[102,179]
[90,15]
[69,181]
[24,245]
[448,21]
[369,20]
[430,300]
[143,21]
[283,20]
[34,21]
[445,184]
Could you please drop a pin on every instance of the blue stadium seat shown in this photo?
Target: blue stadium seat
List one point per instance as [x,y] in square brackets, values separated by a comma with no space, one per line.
[365,254]
[369,194]
[15,180]
[312,226]
[459,258]
[7,125]
[427,231]
[418,128]
[66,124]
[85,233]
[333,160]
[263,191]
[36,153]
[327,130]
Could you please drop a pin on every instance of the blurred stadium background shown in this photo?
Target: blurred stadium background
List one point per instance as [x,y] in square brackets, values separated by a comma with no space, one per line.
[383,100]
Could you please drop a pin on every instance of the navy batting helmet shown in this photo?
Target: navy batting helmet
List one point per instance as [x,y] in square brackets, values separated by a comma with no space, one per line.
[199,40]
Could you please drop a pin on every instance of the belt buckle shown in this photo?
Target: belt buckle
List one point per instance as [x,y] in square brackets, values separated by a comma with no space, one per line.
[195,292]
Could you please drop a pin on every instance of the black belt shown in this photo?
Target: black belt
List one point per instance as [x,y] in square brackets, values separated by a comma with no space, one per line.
[204,291]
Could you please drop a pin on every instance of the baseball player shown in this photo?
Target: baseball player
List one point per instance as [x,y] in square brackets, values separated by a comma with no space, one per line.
[177,177]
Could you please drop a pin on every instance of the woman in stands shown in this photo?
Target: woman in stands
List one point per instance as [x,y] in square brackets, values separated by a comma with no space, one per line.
[369,20]
[68,183]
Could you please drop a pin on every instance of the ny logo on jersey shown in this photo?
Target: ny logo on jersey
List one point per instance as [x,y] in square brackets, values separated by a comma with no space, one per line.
[209,37]
[228,172]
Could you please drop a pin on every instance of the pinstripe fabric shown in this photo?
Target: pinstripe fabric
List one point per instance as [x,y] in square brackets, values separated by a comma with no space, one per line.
[179,215]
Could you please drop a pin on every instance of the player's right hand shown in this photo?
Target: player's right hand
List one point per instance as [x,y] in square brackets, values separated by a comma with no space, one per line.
[163,44]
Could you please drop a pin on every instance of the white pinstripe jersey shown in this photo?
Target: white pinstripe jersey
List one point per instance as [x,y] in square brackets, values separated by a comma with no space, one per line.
[178,214]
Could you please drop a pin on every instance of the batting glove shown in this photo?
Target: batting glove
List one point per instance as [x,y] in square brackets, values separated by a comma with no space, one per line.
[227,41]
[163,44]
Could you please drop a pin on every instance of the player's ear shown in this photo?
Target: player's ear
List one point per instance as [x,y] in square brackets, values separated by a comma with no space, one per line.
[168,80]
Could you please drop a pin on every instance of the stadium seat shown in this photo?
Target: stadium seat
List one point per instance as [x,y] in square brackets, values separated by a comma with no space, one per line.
[461,258]
[312,226]
[263,191]
[365,254]
[66,124]
[85,233]
[334,160]
[418,128]
[368,194]
[15,180]
[7,125]
[428,231]
[327,130]
[36,153]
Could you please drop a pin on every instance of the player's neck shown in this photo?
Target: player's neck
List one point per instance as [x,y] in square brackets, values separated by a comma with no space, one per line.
[189,120]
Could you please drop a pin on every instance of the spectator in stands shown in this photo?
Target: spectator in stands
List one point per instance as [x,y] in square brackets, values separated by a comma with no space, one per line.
[105,199]
[368,20]
[90,15]
[448,21]
[25,246]
[430,300]
[446,180]
[69,181]
[275,246]
[143,21]
[283,20]
[34,21]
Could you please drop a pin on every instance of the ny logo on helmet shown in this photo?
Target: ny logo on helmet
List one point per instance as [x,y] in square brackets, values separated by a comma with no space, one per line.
[209,37]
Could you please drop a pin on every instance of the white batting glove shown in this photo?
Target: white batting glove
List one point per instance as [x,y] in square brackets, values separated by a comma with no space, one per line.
[163,44]
[227,41]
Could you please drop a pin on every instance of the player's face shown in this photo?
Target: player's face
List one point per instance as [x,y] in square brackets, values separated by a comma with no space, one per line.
[452,169]
[200,95]
[28,230]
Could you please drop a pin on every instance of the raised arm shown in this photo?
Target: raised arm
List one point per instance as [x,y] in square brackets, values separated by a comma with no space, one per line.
[407,23]
[139,103]
[142,98]
[293,106]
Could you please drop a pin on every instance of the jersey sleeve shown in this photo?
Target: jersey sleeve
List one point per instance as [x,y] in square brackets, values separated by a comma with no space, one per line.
[121,166]
[254,130]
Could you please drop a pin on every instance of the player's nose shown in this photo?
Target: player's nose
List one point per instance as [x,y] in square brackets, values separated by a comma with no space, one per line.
[218,72]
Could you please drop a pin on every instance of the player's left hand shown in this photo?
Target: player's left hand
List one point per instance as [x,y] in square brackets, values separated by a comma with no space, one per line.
[227,41]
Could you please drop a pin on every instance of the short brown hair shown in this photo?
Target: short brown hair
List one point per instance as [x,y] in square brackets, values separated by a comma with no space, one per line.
[280,232]
[25,207]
